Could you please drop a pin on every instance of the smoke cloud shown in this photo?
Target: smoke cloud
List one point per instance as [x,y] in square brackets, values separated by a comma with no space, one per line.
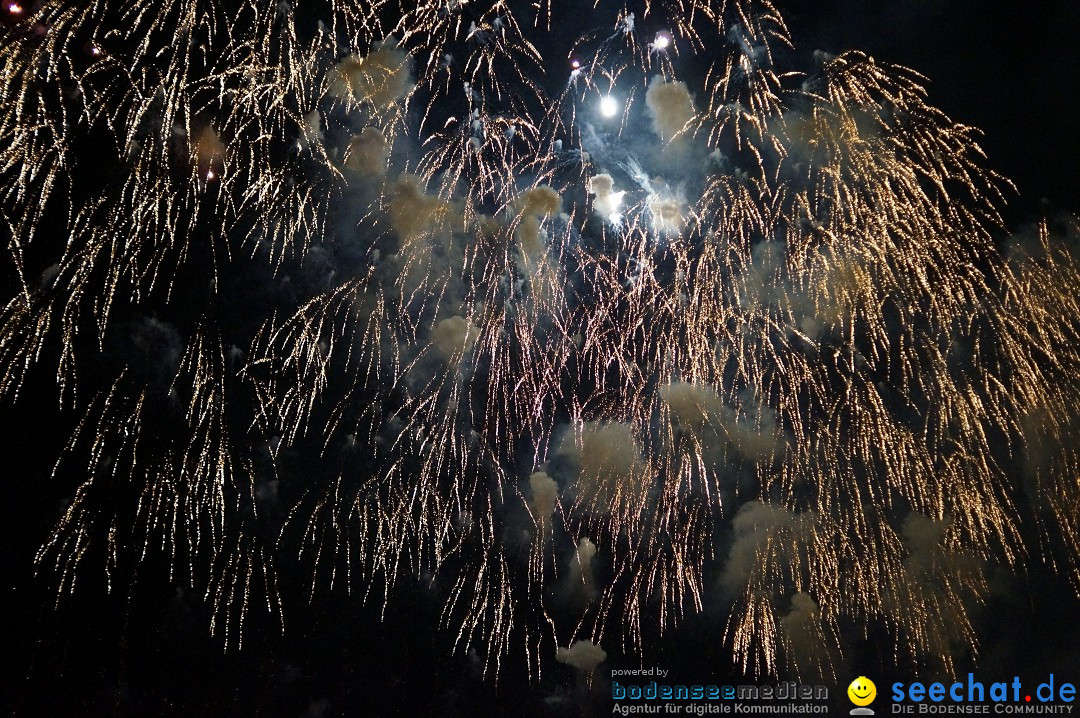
[535,205]
[670,106]
[379,80]
[609,469]
[368,152]
[759,529]
[545,492]
[807,642]
[607,202]
[454,337]
[412,212]
[582,655]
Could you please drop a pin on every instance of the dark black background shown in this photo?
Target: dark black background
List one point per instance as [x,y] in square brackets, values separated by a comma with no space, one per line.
[1011,69]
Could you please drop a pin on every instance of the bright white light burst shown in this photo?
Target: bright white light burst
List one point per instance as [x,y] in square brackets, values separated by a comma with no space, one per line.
[609,106]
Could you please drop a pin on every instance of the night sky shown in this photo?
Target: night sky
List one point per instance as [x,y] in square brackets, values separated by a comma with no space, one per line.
[1011,70]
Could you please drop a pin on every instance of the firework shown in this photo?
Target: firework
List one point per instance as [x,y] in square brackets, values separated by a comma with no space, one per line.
[597,347]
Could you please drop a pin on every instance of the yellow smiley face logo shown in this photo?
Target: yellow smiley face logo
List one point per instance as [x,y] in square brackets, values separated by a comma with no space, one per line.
[862,691]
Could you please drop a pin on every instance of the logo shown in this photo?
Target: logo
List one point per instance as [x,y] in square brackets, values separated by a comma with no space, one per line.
[862,693]
[973,696]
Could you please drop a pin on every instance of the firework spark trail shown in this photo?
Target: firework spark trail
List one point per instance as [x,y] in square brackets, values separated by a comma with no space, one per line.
[745,343]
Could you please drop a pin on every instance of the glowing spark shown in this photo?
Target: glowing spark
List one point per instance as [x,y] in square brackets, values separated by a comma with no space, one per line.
[609,106]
